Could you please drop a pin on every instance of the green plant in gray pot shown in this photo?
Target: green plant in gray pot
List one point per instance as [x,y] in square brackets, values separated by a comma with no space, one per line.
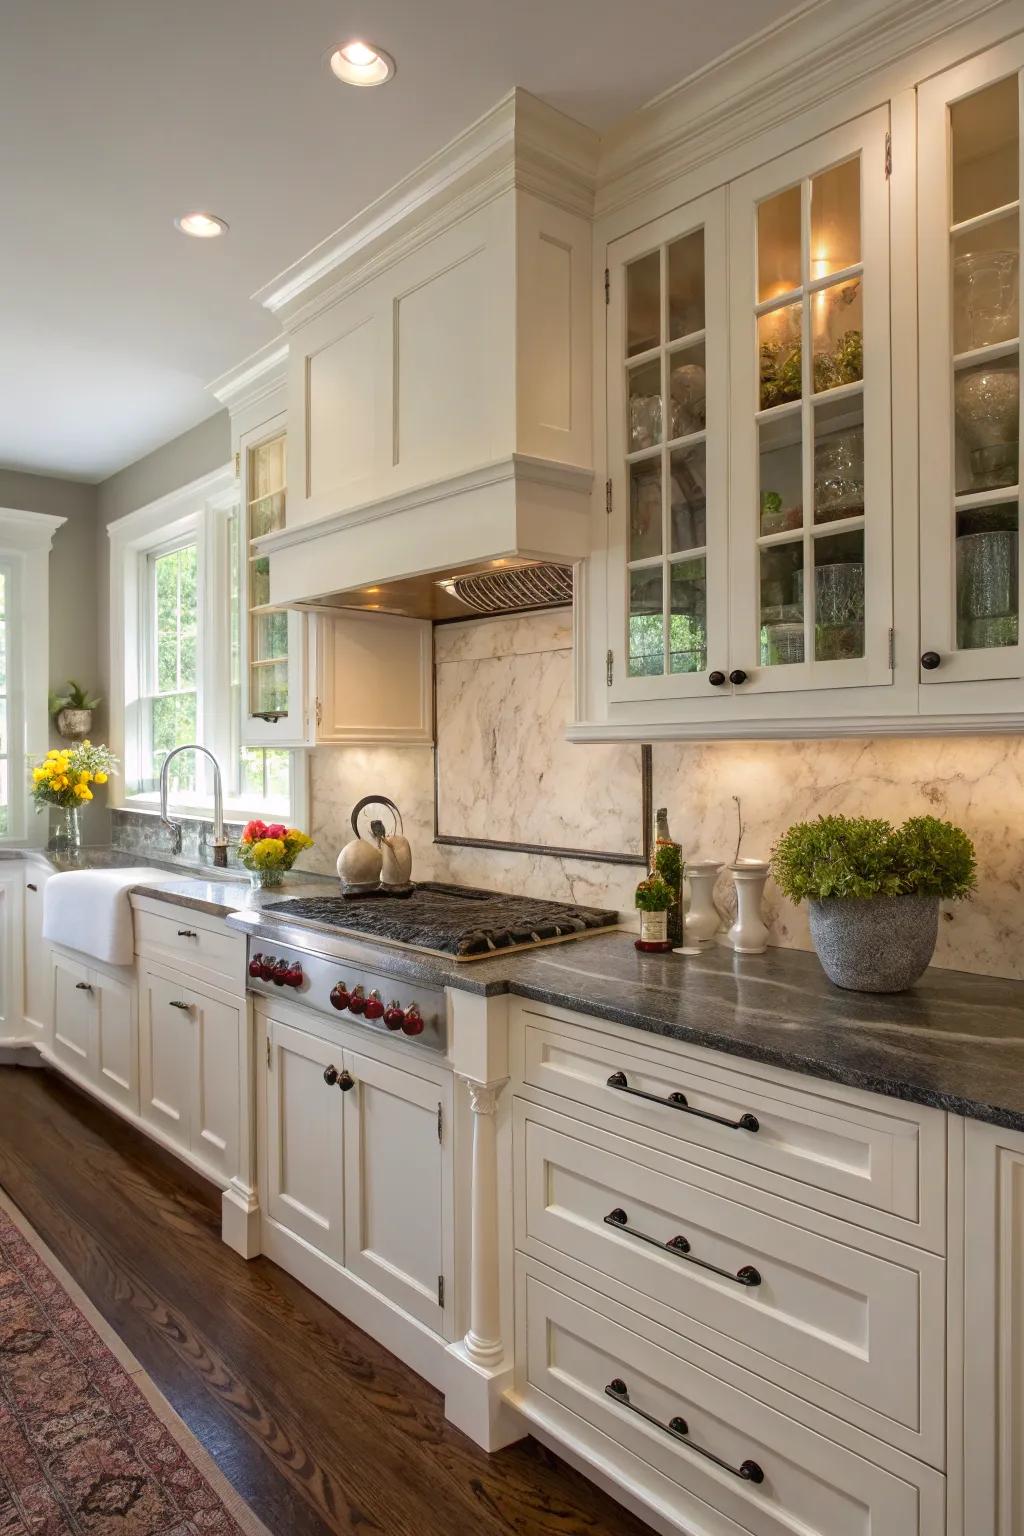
[873,892]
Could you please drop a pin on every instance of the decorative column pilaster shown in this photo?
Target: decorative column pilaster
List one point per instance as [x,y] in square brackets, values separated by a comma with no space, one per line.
[483,1342]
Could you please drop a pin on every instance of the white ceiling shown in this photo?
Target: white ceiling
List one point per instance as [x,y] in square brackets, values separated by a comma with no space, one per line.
[115,115]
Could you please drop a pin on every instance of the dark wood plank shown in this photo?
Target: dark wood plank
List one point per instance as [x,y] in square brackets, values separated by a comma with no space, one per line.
[319,1428]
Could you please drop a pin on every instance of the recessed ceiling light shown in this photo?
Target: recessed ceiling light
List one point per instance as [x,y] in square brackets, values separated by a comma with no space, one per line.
[203,226]
[359,63]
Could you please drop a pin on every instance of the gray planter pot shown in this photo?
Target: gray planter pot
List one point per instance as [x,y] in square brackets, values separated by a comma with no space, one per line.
[74,723]
[880,945]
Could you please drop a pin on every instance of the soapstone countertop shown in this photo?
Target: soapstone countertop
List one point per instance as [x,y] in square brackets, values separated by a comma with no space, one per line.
[955,1041]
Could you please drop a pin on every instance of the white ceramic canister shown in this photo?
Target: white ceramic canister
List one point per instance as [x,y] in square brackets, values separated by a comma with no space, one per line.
[702,921]
[748,934]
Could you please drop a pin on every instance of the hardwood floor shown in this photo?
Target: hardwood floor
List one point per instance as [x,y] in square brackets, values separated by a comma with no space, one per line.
[319,1428]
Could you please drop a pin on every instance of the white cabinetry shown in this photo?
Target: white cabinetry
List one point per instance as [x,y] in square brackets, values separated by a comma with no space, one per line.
[12,1028]
[38,973]
[303,1189]
[94,1027]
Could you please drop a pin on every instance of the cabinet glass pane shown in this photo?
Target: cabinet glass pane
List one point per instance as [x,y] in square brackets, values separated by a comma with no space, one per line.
[781,495]
[985,286]
[687,384]
[839,596]
[644,406]
[688,506]
[269,636]
[686,285]
[987,406]
[782,604]
[778,339]
[835,219]
[837,326]
[266,515]
[687,625]
[984,132]
[259,581]
[643,304]
[838,459]
[987,576]
[646,623]
[778,245]
[267,469]
[645,509]
[268,689]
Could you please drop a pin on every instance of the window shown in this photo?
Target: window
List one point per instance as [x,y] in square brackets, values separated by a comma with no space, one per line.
[179,581]
[25,539]
[5,742]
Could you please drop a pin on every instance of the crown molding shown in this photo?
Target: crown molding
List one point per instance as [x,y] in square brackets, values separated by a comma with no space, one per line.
[27,530]
[814,53]
[521,142]
[254,379]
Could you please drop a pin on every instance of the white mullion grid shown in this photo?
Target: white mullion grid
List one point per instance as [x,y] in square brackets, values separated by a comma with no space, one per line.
[807,415]
[666,432]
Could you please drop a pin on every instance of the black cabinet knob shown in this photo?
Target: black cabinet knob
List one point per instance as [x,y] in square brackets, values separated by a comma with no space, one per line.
[716,679]
[330,1076]
[346,1081]
[930,660]
[737,676]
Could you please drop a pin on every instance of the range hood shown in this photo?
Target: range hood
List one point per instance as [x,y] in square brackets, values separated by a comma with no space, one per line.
[501,539]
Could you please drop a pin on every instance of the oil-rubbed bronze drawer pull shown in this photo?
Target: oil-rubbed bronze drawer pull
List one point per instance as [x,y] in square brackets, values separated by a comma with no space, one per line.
[678,1428]
[679,1248]
[183,1006]
[187,933]
[619,1081]
[30,887]
[83,986]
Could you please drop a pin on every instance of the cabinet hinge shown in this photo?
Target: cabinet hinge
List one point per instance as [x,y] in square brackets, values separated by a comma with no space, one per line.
[440,1121]
[607,286]
[440,1291]
[319,712]
[608,497]
[269,1062]
[238,465]
[888,156]
[892,649]
[609,667]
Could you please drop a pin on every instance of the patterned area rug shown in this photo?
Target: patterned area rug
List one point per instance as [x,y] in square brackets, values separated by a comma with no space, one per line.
[88,1446]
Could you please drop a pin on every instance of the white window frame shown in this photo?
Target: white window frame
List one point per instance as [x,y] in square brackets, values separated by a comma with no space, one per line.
[200,510]
[25,542]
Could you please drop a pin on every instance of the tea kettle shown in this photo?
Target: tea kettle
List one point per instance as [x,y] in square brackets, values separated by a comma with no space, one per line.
[382,861]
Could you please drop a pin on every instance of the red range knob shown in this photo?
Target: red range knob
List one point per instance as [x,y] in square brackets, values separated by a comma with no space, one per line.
[339,997]
[357,1002]
[394,1016]
[280,976]
[374,1008]
[267,963]
[256,965]
[413,1022]
[294,976]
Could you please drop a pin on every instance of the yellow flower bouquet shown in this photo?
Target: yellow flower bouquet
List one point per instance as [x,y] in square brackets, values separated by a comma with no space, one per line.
[267,852]
[65,778]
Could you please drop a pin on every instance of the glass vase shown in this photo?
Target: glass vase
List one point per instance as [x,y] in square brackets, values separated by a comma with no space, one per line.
[262,879]
[68,836]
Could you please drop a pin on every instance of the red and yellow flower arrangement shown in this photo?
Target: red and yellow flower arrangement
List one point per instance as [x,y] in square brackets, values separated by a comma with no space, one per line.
[268,851]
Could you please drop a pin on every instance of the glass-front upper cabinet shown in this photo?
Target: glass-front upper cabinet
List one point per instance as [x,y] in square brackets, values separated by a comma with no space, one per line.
[969,227]
[271,666]
[667,407]
[811,478]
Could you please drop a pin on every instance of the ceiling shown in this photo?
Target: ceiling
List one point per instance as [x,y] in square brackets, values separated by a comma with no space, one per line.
[116,115]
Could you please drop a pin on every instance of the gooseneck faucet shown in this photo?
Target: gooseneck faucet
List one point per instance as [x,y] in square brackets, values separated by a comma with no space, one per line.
[219,842]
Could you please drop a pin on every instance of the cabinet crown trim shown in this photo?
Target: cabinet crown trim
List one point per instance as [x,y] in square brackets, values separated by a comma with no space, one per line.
[253,380]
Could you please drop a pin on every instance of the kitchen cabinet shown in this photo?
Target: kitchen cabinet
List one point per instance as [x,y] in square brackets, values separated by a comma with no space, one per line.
[94,1027]
[970,211]
[304,1190]
[37,970]
[190,1053]
[12,1028]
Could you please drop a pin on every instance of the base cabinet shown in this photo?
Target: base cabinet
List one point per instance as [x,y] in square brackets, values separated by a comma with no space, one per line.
[11,1002]
[38,973]
[94,1027]
[304,1193]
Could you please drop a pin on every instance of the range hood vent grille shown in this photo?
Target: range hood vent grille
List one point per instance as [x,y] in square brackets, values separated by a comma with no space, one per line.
[528,586]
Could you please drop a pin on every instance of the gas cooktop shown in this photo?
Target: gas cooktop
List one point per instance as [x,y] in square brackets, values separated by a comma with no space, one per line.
[457,922]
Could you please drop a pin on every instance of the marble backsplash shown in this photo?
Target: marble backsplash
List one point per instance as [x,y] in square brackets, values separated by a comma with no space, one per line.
[977,782]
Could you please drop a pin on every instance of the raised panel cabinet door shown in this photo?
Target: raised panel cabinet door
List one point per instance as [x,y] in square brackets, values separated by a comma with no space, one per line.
[11,1023]
[166,1057]
[374,679]
[970,211]
[993,1332]
[811,546]
[668,594]
[38,971]
[74,1016]
[218,1025]
[305,1109]
[117,1043]
[395,1186]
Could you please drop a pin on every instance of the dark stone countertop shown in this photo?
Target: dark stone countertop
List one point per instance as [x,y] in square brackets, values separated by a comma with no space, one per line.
[956,1041]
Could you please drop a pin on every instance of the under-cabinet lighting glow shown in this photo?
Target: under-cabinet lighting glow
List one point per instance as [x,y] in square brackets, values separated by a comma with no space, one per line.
[359,63]
[202,226]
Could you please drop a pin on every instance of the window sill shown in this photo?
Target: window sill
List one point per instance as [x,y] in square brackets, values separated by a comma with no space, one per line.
[202,810]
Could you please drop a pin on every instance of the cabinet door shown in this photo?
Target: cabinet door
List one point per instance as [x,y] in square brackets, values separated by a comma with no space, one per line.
[811,476]
[271,640]
[218,1024]
[993,1332]
[969,240]
[74,1015]
[667,409]
[374,679]
[166,1057]
[117,1054]
[304,1138]
[395,1192]
[11,1024]
[38,972]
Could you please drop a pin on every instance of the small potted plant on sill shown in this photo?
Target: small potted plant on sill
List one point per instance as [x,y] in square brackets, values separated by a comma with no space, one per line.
[72,711]
[268,852]
[873,892]
[654,897]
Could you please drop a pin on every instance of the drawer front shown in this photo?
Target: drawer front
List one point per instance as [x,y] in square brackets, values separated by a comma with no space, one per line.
[848,1327]
[187,942]
[838,1155]
[662,1419]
